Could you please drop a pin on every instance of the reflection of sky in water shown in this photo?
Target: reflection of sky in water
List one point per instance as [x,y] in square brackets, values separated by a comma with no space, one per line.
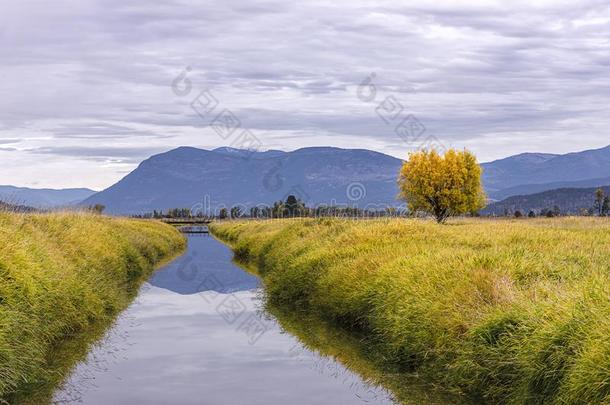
[179,344]
[206,266]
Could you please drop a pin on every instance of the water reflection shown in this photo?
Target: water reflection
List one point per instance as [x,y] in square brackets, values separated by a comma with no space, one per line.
[196,335]
[205,266]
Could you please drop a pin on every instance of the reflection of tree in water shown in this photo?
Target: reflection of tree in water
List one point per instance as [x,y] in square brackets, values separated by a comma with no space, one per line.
[109,350]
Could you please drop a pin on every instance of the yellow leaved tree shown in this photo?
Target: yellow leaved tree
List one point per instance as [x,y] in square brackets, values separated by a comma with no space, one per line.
[442,185]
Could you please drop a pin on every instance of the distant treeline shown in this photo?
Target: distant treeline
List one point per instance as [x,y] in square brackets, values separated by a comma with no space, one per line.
[11,207]
[553,203]
[7,207]
[291,208]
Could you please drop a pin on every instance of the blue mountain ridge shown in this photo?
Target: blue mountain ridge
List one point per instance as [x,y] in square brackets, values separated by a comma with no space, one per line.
[224,177]
[43,197]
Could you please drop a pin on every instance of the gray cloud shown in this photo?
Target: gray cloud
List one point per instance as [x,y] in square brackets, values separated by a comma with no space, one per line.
[101,131]
[113,154]
[496,77]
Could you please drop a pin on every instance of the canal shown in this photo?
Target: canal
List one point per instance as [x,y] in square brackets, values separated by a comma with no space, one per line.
[198,334]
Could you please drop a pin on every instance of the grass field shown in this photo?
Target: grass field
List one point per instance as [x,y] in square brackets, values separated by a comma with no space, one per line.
[496,311]
[62,275]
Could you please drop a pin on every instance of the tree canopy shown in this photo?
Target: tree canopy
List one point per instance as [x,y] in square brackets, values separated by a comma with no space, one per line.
[442,185]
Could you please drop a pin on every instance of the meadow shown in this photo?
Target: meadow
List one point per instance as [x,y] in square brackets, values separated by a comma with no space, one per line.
[494,311]
[61,276]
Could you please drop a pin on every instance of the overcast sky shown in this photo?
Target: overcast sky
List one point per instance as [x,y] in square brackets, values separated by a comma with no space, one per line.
[86,86]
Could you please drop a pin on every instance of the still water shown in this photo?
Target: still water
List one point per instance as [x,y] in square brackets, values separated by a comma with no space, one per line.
[197,334]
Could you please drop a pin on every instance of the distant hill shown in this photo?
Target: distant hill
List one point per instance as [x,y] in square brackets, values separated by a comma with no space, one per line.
[569,200]
[320,175]
[535,172]
[537,188]
[43,198]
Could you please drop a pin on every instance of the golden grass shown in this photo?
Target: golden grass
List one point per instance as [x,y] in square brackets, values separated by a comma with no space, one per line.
[500,311]
[62,273]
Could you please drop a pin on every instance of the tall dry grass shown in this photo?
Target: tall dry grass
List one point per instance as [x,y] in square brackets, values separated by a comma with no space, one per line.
[504,311]
[60,274]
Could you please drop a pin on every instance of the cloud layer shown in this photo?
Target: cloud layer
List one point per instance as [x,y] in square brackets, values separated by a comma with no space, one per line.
[87,85]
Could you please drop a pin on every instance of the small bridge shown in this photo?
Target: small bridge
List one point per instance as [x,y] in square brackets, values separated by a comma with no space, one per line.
[194,229]
[189,225]
[187,221]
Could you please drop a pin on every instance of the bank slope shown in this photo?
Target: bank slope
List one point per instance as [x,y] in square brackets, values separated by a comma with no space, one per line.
[62,274]
[491,311]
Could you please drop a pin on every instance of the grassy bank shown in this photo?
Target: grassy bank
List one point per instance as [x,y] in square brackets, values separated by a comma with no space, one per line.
[494,311]
[62,275]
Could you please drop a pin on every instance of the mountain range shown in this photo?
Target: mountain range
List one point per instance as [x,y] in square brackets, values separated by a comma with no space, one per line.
[529,173]
[571,201]
[190,177]
[44,197]
[224,177]
[210,179]
[526,189]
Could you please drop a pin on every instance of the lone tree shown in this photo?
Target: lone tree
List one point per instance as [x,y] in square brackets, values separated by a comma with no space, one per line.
[292,204]
[600,196]
[442,185]
[294,207]
[236,212]
[97,209]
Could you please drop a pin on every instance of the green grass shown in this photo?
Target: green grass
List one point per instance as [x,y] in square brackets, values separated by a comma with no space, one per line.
[62,275]
[506,311]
